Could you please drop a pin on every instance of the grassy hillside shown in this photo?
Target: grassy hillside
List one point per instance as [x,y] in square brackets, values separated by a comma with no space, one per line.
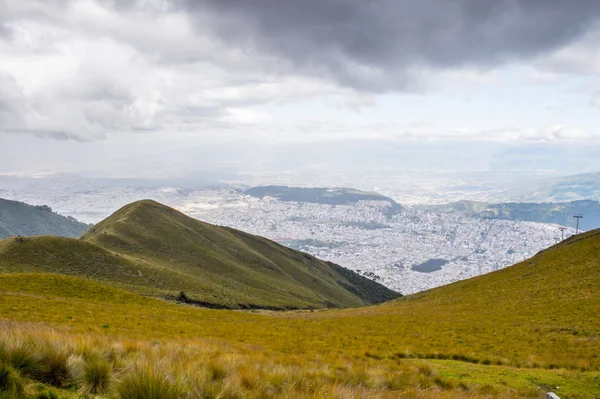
[514,333]
[18,218]
[557,212]
[152,249]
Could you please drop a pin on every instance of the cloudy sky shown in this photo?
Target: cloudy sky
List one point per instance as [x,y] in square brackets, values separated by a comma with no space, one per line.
[158,87]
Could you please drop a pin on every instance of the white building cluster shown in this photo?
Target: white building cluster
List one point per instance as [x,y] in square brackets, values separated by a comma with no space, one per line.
[358,236]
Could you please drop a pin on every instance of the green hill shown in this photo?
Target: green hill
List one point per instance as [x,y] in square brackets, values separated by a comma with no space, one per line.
[514,333]
[552,212]
[322,195]
[152,249]
[18,218]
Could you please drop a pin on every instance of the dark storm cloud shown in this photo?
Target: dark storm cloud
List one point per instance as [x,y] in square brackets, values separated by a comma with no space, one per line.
[374,45]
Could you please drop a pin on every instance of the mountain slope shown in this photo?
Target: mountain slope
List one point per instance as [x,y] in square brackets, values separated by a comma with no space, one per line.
[551,212]
[153,249]
[514,333]
[18,218]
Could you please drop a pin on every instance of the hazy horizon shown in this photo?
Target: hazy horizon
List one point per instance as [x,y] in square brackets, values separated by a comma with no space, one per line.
[160,88]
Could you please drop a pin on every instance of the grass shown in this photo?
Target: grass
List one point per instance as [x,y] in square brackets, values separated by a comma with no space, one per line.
[93,375]
[149,383]
[206,368]
[148,248]
[9,380]
[515,333]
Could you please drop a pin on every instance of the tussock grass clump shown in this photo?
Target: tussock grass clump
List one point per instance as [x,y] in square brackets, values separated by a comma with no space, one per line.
[55,367]
[47,364]
[93,375]
[148,383]
[9,380]
[47,395]
[23,358]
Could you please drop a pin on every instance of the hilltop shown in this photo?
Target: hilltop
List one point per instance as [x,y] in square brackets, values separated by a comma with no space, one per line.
[149,248]
[19,218]
[514,333]
[322,195]
[551,212]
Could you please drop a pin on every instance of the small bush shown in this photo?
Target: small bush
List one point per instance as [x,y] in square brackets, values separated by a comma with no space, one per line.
[181,297]
[148,384]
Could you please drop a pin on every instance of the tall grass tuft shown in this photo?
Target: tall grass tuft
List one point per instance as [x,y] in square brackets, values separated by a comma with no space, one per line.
[93,375]
[148,383]
[56,369]
[10,381]
[47,395]
[24,359]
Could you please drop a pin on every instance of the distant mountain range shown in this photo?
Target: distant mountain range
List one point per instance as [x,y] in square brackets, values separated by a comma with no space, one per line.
[149,248]
[18,218]
[559,189]
[558,213]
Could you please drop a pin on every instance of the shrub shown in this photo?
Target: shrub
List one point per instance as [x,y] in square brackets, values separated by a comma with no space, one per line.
[181,297]
[148,384]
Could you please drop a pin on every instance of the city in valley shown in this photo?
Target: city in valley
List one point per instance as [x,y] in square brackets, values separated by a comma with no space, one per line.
[404,248]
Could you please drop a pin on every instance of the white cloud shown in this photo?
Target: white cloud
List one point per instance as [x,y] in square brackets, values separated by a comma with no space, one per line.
[87,70]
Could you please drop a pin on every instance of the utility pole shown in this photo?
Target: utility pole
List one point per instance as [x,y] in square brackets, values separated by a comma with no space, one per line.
[577,216]
[562,231]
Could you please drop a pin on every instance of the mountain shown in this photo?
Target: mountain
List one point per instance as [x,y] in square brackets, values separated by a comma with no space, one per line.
[18,218]
[558,213]
[514,333]
[150,248]
[559,189]
[322,195]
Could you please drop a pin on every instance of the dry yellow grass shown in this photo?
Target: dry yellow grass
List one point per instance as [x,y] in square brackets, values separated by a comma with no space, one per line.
[510,334]
[203,368]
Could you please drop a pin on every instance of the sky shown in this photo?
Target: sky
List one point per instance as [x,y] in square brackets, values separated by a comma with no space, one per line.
[159,88]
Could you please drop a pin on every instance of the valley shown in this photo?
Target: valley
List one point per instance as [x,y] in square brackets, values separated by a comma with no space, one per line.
[436,344]
[375,237]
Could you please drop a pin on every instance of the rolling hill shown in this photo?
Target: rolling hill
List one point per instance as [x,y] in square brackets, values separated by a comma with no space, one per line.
[152,249]
[556,212]
[514,333]
[322,195]
[18,218]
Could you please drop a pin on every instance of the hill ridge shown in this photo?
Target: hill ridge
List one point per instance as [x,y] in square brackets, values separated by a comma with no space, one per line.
[150,248]
[18,218]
